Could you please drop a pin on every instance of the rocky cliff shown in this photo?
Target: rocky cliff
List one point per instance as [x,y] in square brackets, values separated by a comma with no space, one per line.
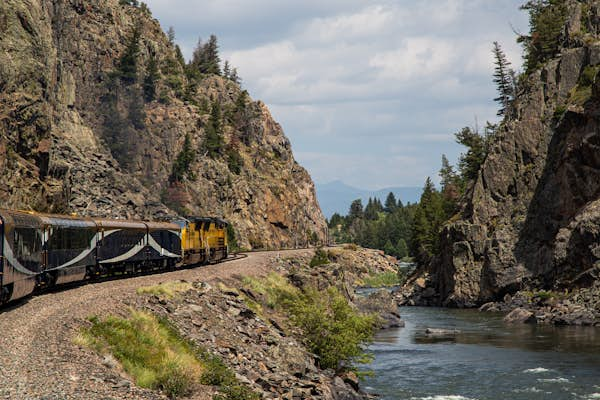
[532,217]
[78,135]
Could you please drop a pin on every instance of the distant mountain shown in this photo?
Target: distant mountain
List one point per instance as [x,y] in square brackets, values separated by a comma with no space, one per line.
[337,196]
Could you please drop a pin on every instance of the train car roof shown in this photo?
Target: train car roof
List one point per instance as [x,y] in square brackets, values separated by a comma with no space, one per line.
[20,218]
[155,226]
[119,223]
[67,221]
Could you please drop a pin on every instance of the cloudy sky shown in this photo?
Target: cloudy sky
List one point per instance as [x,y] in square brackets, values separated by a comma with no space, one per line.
[370,92]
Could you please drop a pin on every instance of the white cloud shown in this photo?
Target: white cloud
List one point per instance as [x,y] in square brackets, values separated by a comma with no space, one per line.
[381,84]
[419,57]
[369,22]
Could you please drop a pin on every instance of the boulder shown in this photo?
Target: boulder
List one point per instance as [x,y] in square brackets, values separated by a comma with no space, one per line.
[520,316]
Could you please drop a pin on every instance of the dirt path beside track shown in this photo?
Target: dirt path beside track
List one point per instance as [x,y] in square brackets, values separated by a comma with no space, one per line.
[38,357]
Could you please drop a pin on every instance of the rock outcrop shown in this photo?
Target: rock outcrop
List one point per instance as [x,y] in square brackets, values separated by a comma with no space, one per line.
[531,218]
[75,136]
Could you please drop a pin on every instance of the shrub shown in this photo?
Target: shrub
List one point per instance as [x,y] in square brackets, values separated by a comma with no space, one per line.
[320,258]
[383,279]
[332,329]
[234,161]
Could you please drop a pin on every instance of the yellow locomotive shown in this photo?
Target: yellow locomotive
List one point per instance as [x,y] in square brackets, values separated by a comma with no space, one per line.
[203,240]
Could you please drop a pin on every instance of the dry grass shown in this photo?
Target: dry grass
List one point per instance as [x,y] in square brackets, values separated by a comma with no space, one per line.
[149,350]
[166,289]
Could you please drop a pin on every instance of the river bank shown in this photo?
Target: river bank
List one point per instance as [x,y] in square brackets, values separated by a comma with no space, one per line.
[574,306]
[236,319]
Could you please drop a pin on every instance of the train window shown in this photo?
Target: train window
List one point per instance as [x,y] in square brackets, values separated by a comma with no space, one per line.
[69,238]
[28,242]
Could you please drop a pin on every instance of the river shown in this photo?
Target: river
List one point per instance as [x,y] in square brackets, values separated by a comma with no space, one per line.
[487,360]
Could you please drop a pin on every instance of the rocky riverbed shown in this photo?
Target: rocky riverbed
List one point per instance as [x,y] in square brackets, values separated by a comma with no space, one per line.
[574,306]
[579,307]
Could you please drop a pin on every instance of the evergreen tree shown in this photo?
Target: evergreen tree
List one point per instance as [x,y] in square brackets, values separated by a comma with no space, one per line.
[389,248]
[171,35]
[451,186]
[448,176]
[234,160]
[213,141]
[213,60]
[235,77]
[206,58]
[470,161]
[503,80]
[184,160]
[226,70]
[401,249]
[151,79]
[390,203]
[547,19]
[371,210]
[356,210]
[127,69]
[179,56]
[428,221]
[335,220]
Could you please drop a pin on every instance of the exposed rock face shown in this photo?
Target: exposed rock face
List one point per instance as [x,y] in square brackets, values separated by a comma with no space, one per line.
[531,217]
[59,106]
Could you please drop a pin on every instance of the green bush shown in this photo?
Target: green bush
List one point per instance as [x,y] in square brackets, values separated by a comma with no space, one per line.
[332,328]
[383,279]
[320,258]
[588,75]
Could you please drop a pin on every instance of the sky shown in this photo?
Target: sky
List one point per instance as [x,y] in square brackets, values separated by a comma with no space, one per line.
[370,92]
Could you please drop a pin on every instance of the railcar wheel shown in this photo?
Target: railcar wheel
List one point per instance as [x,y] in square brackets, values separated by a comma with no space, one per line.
[5,294]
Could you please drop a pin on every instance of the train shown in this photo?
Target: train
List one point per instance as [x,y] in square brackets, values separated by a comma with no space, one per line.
[40,251]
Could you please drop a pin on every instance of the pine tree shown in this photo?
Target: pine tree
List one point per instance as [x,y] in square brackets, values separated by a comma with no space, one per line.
[184,160]
[213,141]
[448,176]
[470,161]
[451,186]
[428,221]
[390,203]
[401,249]
[213,60]
[151,79]
[226,70]
[389,248]
[547,19]
[171,35]
[503,81]
[206,58]
[371,210]
[179,56]
[235,77]
[356,210]
[127,69]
